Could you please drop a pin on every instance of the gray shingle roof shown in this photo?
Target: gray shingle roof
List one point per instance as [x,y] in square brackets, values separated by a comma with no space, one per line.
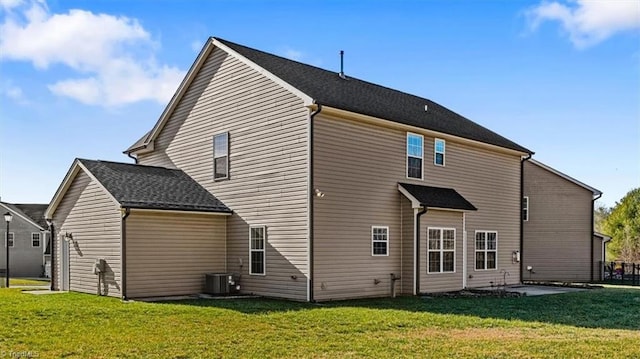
[33,211]
[437,197]
[149,187]
[352,94]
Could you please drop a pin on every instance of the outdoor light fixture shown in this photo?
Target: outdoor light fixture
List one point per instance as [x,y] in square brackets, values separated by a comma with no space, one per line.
[319,193]
[7,218]
[68,237]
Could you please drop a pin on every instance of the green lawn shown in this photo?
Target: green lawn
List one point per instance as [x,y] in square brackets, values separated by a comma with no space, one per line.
[593,324]
[26,281]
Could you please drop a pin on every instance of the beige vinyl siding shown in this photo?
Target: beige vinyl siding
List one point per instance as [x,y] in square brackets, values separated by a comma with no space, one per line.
[407,218]
[93,218]
[358,165]
[268,163]
[558,234]
[169,253]
[440,282]
[598,268]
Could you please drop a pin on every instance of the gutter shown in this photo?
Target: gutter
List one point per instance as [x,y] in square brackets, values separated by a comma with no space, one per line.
[135,159]
[123,253]
[593,205]
[528,157]
[311,204]
[417,254]
[52,236]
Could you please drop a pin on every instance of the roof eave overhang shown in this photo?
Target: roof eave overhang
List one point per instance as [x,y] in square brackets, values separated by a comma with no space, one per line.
[416,203]
[336,112]
[211,43]
[136,208]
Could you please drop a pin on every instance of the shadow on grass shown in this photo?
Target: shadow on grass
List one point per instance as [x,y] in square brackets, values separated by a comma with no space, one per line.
[597,308]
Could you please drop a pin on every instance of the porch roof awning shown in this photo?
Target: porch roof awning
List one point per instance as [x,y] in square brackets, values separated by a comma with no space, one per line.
[435,197]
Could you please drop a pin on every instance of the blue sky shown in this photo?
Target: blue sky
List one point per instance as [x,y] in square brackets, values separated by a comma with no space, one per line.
[87,79]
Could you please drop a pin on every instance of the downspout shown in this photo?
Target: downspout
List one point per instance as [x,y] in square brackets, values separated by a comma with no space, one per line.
[134,158]
[593,207]
[52,236]
[417,254]
[522,160]
[123,253]
[312,198]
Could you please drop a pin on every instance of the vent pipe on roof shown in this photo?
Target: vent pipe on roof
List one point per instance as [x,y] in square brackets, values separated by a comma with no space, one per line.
[342,64]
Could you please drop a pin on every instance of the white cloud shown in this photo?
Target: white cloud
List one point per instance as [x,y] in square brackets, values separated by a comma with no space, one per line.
[13,92]
[588,22]
[293,54]
[113,55]
[10,4]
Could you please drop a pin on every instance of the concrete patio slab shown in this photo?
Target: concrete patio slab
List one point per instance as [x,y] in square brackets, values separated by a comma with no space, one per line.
[533,290]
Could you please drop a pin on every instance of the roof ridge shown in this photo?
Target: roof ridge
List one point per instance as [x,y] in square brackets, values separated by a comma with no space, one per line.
[323,69]
[130,164]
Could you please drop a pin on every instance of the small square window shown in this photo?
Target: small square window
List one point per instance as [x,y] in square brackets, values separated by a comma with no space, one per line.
[35,239]
[10,239]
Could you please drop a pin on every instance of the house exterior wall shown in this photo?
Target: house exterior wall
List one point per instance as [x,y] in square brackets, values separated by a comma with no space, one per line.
[407,249]
[558,233]
[358,165]
[24,259]
[94,220]
[268,161]
[169,253]
[598,256]
[441,282]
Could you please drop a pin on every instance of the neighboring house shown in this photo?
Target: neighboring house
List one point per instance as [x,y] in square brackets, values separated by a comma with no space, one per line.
[309,184]
[27,239]
[559,243]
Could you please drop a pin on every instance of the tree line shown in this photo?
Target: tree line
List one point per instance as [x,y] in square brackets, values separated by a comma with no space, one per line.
[622,224]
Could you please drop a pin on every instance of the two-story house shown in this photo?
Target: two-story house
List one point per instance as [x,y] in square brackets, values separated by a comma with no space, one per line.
[308,184]
[27,240]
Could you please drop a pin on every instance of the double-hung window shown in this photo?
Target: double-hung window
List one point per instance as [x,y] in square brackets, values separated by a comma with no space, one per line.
[414,155]
[486,250]
[525,209]
[9,239]
[35,239]
[257,245]
[438,152]
[221,156]
[379,241]
[441,250]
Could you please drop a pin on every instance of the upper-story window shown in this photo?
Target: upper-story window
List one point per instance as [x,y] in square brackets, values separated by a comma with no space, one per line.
[438,152]
[35,239]
[525,209]
[414,155]
[221,156]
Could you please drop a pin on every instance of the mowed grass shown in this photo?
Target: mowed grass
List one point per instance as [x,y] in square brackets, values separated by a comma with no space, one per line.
[592,324]
[27,282]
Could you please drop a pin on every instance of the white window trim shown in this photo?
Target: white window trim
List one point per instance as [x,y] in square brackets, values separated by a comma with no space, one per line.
[39,239]
[263,250]
[435,152]
[6,239]
[215,179]
[441,250]
[526,208]
[373,241]
[406,156]
[485,250]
